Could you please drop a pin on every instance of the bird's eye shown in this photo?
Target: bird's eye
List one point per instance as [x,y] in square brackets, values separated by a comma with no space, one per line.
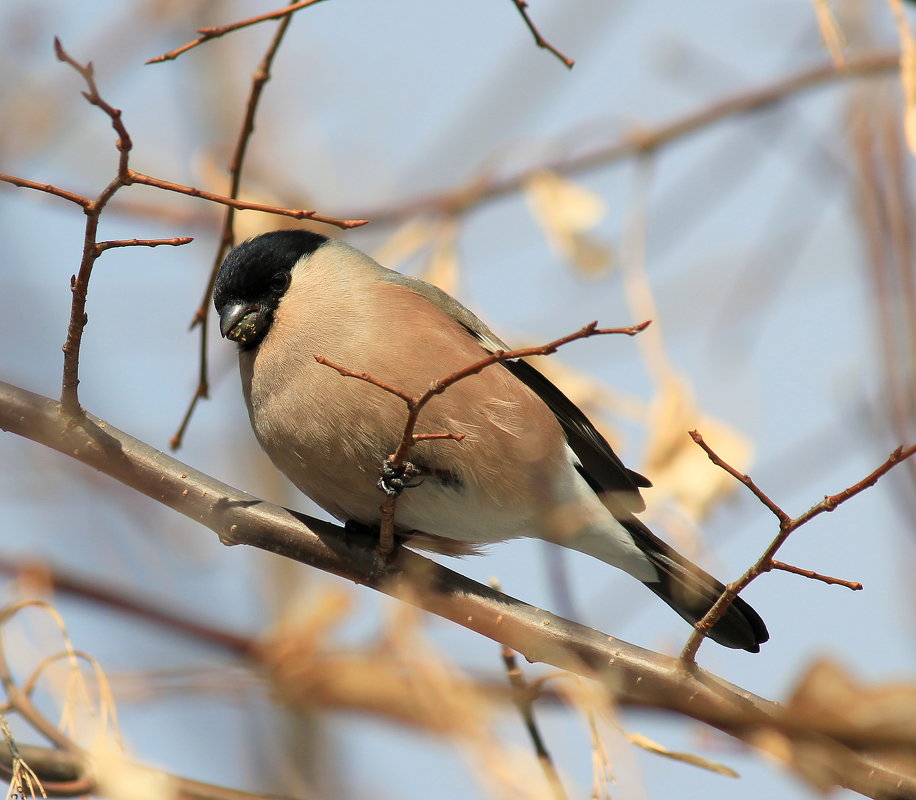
[279,282]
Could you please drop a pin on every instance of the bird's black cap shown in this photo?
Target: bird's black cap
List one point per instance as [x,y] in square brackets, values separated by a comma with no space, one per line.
[246,273]
[253,278]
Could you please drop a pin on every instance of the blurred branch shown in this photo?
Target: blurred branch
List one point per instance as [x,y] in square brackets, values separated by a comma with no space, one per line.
[523,696]
[483,189]
[41,575]
[885,211]
[539,40]
[64,774]
[787,525]
[213,33]
[69,769]
[639,676]
[830,31]
[816,576]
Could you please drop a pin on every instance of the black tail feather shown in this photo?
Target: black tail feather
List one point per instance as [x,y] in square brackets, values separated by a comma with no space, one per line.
[691,592]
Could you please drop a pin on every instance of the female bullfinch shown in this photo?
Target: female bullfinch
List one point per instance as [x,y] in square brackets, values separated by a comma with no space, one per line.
[529,464]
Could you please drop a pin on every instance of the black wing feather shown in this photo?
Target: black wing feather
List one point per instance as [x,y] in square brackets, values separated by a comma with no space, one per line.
[601,467]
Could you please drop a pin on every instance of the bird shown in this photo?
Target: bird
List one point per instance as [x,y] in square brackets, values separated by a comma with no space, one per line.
[529,463]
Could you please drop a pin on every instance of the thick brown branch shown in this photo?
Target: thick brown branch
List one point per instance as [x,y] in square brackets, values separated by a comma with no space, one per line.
[639,676]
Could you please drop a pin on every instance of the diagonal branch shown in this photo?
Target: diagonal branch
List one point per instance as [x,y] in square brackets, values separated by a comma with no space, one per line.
[482,189]
[192,191]
[639,676]
[787,525]
[206,34]
[227,236]
[47,188]
[539,40]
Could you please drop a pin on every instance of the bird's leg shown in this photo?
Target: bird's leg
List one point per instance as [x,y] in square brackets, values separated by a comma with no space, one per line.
[359,529]
[396,478]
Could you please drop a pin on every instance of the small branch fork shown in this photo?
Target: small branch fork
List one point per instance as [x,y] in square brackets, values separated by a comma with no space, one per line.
[415,404]
[93,208]
[787,525]
[539,40]
[206,34]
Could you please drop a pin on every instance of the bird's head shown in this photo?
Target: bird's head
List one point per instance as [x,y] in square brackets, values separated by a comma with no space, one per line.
[253,279]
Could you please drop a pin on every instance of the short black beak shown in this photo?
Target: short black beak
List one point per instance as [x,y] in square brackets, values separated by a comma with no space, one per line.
[245,323]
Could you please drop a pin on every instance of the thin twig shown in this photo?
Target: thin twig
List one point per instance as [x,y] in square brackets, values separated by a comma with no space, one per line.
[438,386]
[192,191]
[175,241]
[787,525]
[429,437]
[206,34]
[784,519]
[539,40]
[227,236]
[47,188]
[817,576]
[365,376]
[92,249]
[416,404]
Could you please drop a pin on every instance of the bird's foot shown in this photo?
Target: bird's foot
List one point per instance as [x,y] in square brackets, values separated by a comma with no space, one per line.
[395,479]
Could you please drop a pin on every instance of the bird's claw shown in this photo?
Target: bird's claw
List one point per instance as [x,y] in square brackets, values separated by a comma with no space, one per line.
[395,479]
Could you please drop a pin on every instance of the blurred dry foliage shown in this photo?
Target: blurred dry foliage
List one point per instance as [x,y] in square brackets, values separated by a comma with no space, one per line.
[311,662]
